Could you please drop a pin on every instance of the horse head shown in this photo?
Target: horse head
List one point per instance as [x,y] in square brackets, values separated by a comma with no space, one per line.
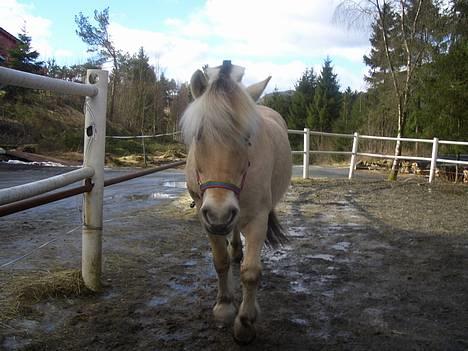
[219,126]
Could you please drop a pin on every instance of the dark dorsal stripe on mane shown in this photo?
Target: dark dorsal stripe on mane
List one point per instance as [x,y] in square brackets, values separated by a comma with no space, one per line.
[226,68]
[223,83]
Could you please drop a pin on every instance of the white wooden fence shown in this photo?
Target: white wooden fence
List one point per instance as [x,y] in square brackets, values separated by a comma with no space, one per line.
[95,91]
[355,150]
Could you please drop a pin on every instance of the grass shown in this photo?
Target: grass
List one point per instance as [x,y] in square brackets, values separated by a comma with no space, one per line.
[22,291]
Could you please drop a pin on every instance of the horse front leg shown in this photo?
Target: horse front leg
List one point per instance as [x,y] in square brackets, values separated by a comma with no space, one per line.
[225,310]
[250,273]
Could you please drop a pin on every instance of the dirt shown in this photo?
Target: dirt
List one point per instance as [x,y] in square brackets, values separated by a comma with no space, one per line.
[370,265]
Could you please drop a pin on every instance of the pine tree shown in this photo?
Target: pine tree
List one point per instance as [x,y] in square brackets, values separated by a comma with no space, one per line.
[302,99]
[23,57]
[279,101]
[326,104]
[344,124]
[444,89]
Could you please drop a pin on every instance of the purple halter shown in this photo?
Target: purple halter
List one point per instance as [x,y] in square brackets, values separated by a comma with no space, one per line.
[214,184]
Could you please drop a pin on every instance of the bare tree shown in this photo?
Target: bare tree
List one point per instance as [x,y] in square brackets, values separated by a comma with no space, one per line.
[408,13]
[98,40]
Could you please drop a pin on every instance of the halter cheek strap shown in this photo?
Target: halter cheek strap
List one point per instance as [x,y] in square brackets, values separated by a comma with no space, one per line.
[214,184]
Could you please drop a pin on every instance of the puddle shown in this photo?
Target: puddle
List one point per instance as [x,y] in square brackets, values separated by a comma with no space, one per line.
[182,185]
[190,263]
[157,301]
[297,232]
[181,288]
[288,273]
[277,256]
[325,279]
[328,293]
[109,295]
[152,196]
[341,246]
[15,343]
[324,257]
[298,286]
[300,321]
[27,324]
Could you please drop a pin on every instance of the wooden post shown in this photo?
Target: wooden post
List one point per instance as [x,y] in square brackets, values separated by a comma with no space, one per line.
[305,171]
[94,154]
[354,151]
[435,148]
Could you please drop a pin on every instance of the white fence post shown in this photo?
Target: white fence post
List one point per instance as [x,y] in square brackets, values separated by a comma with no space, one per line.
[352,165]
[94,153]
[435,148]
[305,171]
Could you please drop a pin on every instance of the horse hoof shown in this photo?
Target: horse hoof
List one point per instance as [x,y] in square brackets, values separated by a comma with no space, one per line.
[244,331]
[224,313]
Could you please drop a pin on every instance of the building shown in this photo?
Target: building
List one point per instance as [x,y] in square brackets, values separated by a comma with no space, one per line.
[7,42]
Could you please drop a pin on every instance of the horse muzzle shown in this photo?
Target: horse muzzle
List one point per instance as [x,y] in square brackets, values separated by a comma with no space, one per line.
[218,221]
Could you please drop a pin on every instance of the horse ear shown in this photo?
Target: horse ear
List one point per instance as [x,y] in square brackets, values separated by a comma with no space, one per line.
[256,90]
[198,84]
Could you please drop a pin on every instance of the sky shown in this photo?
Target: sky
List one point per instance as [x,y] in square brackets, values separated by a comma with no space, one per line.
[278,38]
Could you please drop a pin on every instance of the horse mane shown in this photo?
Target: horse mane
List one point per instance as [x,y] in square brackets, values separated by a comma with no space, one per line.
[224,114]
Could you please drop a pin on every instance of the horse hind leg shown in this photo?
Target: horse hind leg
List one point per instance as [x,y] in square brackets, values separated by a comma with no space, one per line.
[224,310]
[235,247]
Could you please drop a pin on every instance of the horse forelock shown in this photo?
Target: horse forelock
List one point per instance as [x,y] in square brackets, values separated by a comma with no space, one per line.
[224,114]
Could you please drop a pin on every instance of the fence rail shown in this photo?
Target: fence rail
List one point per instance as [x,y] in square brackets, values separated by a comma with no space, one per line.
[95,91]
[434,159]
[24,191]
[10,76]
[34,194]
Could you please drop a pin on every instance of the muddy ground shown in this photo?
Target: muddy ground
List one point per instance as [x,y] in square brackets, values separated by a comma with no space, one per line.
[370,265]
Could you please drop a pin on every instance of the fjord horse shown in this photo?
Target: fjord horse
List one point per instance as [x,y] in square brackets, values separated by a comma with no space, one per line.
[238,168]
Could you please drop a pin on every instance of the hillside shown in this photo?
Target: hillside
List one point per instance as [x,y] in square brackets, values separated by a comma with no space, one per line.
[53,126]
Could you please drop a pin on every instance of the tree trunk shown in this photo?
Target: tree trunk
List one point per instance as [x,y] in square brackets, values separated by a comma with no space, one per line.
[402,110]
[112,100]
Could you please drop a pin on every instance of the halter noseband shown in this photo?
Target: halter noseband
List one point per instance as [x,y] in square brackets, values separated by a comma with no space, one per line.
[215,184]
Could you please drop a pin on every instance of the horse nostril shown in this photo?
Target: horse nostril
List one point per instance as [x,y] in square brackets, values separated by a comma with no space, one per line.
[232,215]
[206,215]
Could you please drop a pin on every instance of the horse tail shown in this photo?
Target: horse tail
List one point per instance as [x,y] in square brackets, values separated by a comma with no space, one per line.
[276,235]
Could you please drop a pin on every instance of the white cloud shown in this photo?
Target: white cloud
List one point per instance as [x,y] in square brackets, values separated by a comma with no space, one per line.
[352,78]
[14,16]
[275,38]
[278,38]
[63,53]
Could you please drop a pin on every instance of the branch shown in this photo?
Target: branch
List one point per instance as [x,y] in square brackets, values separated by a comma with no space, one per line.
[387,51]
[416,18]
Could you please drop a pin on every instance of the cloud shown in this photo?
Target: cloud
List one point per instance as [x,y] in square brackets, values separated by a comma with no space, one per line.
[63,53]
[264,28]
[15,16]
[279,38]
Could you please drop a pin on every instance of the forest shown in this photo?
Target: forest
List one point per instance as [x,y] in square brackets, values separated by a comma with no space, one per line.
[417,79]
[416,83]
